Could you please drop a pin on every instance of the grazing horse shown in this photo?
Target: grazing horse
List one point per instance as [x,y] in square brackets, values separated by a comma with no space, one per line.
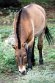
[29,22]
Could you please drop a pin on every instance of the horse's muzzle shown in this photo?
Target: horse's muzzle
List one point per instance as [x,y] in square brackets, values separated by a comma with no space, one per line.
[22,70]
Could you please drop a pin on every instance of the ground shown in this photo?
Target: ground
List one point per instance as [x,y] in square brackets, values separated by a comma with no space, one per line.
[40,73]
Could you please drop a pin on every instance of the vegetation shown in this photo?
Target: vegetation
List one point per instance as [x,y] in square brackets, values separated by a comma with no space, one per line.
[14,3]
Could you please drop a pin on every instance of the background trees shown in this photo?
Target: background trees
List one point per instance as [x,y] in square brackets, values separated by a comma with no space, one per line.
[18,3]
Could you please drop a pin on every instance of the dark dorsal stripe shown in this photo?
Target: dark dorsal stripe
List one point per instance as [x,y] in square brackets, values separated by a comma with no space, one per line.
[18,29]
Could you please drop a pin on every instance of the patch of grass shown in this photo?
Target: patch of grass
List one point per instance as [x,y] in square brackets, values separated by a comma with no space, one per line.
[7,55]
[5,31]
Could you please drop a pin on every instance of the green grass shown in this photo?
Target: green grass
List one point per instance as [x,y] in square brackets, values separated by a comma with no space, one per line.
[5,31]
[7,57]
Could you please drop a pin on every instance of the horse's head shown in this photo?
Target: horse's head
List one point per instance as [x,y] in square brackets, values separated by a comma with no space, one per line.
[21,49]
[21,58]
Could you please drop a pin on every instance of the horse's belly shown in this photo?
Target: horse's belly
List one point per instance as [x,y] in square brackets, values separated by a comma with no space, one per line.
[39,24]
[37,32]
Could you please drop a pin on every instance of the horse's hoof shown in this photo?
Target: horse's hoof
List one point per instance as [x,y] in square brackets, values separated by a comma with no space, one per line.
[29,69]
[41,62]
[33,63]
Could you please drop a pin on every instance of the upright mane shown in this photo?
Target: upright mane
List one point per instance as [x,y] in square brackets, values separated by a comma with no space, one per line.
[18,29]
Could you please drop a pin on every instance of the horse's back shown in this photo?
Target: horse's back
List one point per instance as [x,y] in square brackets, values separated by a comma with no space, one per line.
[38,17]
[35,6]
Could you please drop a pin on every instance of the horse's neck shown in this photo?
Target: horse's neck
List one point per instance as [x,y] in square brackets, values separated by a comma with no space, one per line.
[23,36]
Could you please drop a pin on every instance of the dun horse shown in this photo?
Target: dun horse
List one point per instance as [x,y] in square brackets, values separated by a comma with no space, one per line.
[29,23]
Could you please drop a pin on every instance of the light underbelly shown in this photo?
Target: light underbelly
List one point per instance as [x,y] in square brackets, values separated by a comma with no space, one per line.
[37,33]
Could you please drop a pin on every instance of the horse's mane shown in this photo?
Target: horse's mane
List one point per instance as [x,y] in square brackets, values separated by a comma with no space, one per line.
[18,28]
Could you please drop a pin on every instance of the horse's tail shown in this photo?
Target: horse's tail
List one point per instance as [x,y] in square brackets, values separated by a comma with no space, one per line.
[48,35]
[18,28]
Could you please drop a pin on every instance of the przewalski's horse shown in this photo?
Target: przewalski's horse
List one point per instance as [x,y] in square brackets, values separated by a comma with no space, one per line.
[29,23]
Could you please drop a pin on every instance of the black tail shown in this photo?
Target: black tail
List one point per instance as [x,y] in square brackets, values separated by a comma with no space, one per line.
[48,36]
[18,29]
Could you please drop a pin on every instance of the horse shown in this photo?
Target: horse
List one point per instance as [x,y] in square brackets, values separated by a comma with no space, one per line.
[30,22]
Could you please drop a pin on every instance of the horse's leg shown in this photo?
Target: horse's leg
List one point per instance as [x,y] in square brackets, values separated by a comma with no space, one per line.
[29,56]
[40,46]
[32,58]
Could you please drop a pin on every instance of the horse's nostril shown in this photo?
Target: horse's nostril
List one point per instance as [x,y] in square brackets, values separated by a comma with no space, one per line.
[24,72]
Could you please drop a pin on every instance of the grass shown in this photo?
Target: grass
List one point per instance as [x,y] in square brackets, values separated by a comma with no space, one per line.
[5,31]
[7,58]
[39,74]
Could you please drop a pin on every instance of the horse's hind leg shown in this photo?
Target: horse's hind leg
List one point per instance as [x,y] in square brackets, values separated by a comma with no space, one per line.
[40,46]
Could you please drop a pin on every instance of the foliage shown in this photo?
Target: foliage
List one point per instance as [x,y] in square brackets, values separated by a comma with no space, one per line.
[42,2]
[7,3]
[18,3]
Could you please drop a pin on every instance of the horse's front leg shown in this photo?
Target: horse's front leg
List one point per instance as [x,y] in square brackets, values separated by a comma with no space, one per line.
[33,57]
[29,57]
[29,54]
[40,46]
